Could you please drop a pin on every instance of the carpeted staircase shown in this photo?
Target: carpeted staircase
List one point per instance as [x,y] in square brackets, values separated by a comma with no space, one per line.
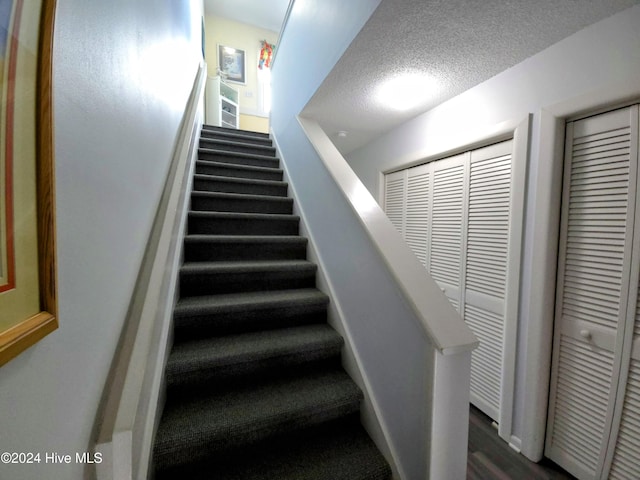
[255,387]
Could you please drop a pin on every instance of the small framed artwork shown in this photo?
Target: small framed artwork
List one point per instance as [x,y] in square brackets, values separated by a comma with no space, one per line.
[231,64]
[28,299]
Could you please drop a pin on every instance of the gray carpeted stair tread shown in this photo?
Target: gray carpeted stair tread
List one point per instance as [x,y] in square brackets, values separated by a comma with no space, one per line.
[251,266]
[249,240]
[334,451]
[243,168]
[240,202]
[244,216]
[232,355]
[244,171]
[238,157]
[237,145]
[203,278]
[241,196]
[239,302]
[262,140]
[218,143]
[232,223]
[251,181]
[202,425]
[238,247]
[244,133]
[223,314]
[218,183]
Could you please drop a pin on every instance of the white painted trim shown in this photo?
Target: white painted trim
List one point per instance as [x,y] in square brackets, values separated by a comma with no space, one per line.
[544,250]
[449,435]
[519,163]
[449,147]
[515,443]
[131,410]
[442,326]
[370,412]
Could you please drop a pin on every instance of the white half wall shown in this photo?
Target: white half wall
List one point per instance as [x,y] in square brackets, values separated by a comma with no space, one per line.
[123,72]
[595,67]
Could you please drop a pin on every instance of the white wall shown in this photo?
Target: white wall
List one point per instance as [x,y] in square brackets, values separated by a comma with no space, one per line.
[598,65]
[122,74]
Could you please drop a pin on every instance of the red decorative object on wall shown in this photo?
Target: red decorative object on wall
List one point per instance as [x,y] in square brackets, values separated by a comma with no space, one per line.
[266,54]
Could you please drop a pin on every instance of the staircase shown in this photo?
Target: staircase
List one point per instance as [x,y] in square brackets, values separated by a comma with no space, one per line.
[255,387]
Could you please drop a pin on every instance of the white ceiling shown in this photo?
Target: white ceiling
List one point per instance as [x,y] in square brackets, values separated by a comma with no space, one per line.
[458,43]
[267,14]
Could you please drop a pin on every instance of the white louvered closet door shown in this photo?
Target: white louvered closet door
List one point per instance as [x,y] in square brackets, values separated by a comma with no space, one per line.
[457,218]
[487,250]
[593,290]
[394,198]
[418,211]
[448,224]
[623,459]
[625,464]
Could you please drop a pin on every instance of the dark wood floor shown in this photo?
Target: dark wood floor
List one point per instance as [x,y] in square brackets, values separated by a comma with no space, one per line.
[491,458]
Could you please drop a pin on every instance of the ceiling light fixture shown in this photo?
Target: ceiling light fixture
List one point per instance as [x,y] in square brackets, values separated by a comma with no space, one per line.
[406,91]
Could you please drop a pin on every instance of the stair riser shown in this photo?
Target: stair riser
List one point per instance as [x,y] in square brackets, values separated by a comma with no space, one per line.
[237,147]
[248,320]
[215,185]
[210,252]
[192,284]
[240,205]
[238,159]
[237,138]
[230,171]
[242,226]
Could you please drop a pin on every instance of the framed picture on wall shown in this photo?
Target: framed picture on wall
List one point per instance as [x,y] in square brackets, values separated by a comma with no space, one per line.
[28,299]
[231,64]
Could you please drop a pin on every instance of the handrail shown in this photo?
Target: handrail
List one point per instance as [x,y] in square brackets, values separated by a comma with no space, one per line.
[282,27]
[128,416]
[444,328]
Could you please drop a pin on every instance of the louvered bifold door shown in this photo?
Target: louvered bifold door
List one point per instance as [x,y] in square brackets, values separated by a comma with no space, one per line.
[448,224]
[394,198]
[418,211]
[599,196]
[625,439]
[486,270]
[623,460]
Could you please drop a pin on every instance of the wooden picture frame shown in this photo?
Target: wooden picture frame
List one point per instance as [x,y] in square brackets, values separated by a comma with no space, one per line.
[27,123]
[232,64]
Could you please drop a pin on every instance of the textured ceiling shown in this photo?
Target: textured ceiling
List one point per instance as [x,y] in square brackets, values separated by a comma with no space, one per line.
[457,43]
[259,13]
